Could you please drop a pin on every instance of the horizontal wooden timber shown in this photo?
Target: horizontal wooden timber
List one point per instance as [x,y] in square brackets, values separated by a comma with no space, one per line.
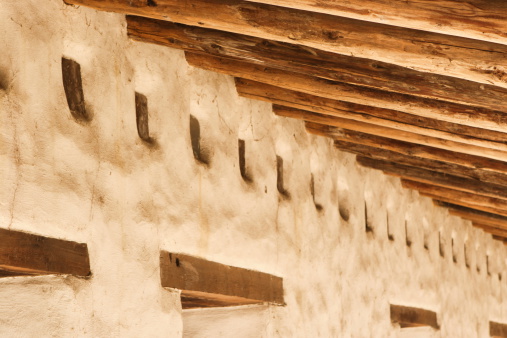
[475,215]
[497,330]
[379,116]
[315,62]
[474,201]
[446,111]
[434,177]
[476,19]
[407,148]
[470,59]
[208,284]
[491,230]
[392,132]
[413,317]
[27,254]
[414,161]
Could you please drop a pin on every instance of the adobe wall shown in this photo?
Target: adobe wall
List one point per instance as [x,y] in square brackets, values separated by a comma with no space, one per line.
[99,183]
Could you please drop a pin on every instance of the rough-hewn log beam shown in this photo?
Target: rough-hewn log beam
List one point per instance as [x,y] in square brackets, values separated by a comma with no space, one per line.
[476,19]
[446,111]
[435,178]
[414,161]
[27,254]
[207,284]
[392,132]
[481,217]
[491,230]
[379,116]
[407,148]
[475,201]
[437,53]
[315,62]
[412,317]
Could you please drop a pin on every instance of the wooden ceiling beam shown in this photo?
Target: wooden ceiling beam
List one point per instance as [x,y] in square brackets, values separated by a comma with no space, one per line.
[491,230]
[315,62]
[446,111]
[415,161]
[481,217]
[475,19]
[407,148]
[470,59]
[394,133]
[380,116]
[466,199]
[435,178]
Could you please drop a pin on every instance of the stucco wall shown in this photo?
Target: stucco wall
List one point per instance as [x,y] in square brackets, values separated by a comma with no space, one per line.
[98,183]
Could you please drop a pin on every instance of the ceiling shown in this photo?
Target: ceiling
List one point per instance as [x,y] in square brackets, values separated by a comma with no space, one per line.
[416,89]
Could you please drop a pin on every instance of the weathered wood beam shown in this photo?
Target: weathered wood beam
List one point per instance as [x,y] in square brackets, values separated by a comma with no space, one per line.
[491,230]
[414,161]
[392,132]
[446,111]
[497,330]
[412,317]
[407,148]
[27,254]
[379,116]
[315,62]
[474,201]
[470,59]
[481,217]
[207,284]
[476,19]
[435,178]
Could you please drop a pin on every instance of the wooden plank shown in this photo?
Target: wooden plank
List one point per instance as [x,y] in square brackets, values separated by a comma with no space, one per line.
[498,330]
[477,216]
[27,254]
[206,284]
[372,115]
[474,201]
[435,178]
[476,19]
[470,59]
[333,107]
[446,111]
[407,148]
[413,317]
[414,161]
[502,233]
[73,87]
[315,62]
[394,133]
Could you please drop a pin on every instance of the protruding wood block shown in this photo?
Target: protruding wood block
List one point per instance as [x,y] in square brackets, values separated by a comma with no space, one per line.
[209,284]
[27,254]
[413,317]
[73,86]
[497,330]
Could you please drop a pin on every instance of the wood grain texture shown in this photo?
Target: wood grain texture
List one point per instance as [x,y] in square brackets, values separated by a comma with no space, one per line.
[407,148]
[394,133]
[414,161]
[315,62]
[206,284]
[435,178]
[470,200]
[470,59]
[476,19]
[502,233]
[27,254]
[481,217]
[412,317]
[446,111]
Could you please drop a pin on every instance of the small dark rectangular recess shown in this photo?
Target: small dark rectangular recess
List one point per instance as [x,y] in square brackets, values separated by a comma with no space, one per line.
[27,254]
[413,317]
[142,117]
[497,330]
[242,161]
[73,86]
[279,177]
[205,283]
